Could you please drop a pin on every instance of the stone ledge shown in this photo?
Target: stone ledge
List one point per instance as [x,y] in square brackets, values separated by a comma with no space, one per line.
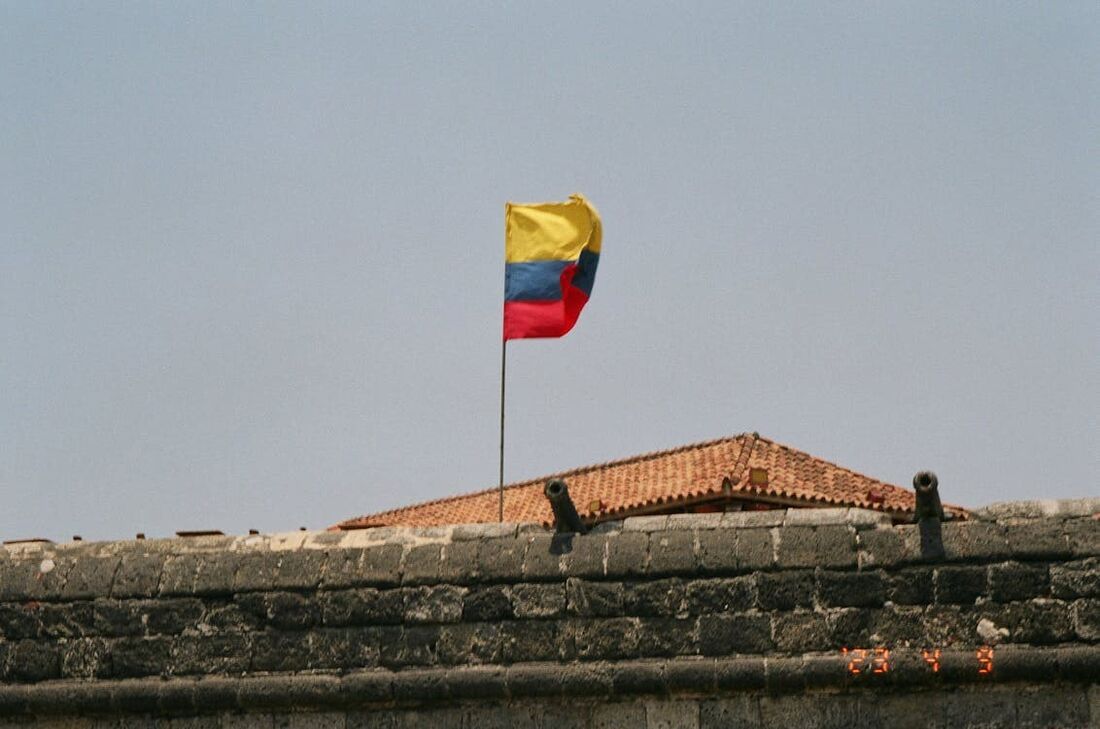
[1040,508]
[425,687]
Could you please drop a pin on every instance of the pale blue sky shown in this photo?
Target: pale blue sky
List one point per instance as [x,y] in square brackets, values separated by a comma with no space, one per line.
[251,259]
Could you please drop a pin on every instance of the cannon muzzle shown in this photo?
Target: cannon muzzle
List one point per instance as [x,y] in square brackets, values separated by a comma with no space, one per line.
[566,518]
[927,487]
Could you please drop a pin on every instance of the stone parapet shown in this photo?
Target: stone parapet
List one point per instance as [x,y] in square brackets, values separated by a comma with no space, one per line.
[674,606]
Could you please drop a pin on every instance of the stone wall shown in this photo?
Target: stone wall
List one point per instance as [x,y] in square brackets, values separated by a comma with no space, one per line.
[822,617]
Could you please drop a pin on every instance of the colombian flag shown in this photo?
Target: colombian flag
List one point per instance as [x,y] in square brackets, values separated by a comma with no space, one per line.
[550,256]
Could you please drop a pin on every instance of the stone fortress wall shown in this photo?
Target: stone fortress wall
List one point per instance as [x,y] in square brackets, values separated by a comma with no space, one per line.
[799,618]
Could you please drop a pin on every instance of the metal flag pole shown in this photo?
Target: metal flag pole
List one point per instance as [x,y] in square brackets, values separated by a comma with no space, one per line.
[503,362]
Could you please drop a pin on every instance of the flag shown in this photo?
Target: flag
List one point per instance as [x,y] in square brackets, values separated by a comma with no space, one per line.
[550,255]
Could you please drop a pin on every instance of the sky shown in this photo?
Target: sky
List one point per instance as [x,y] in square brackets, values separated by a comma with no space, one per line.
[251,254]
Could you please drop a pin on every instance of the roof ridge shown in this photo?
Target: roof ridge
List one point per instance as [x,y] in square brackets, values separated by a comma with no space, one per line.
[561,474]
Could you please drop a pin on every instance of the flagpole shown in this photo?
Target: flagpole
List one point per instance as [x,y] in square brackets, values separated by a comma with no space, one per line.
[503,363]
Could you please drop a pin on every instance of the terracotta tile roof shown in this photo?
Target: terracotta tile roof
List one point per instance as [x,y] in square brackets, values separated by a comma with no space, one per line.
[665,480]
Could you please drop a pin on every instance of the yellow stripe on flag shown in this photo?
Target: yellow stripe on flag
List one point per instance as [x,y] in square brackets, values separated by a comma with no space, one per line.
[551,231]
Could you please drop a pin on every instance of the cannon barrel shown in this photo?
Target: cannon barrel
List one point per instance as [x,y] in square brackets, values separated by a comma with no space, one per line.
[566,518]
[927,487]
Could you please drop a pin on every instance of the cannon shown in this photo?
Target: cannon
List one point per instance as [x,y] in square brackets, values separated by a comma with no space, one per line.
[929,516]
[566,518]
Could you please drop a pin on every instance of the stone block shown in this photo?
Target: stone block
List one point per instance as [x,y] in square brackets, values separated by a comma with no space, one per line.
[533,640]
[754,519]
[627,554]
[784,590]
[301,569]
[30,661]
[492,602]
[850,627]
[960,585]
[975,541]
[481,532]
[659,598]
[90,577]
[588,555]
[538,600]
[1083,536]
[823,546]
[542,558]
[736,712]
[742,673]
[499,560]
[888,547]
[809,711]
[594,599]
[179,574]
[437,604]
[216,574]
[343,649]
[19,621]
[682,714]
[256,571]
[469,644]
[666,637]
[910,586]
[1086,619]
[278,651]
[627,715]
[720,595]
[421,565]
[828,516]
[989,707]
[1076,579]
[631,678]
[898,626]
[721,635]
[1012,581]
[605,638]
[291,611]
[1052,706]
[364,606]
[851,589]
[672,552]
[136,657]
[66,620]
[221,653]
[657,523]
[479,683]
[718,551]
[1041,539]
[801,632]
[85,658]
[138,575]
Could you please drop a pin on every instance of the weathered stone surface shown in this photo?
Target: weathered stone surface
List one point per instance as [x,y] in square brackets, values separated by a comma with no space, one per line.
[785,590]
[1012,581]
[671,552]
[850,589]
[720,595]
[627,554]
[960,585]
[824,546]
[720,635]
[658,598]
[1076,579]
[538,600]
[594,599]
